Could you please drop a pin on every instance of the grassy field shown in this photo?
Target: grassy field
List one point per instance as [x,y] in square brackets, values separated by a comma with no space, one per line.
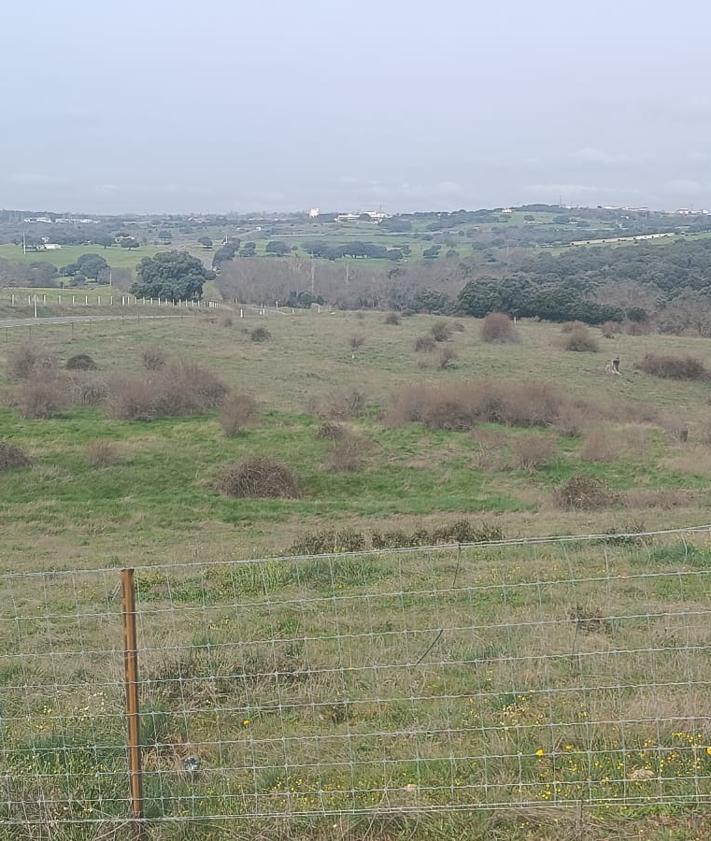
[308,685]
[116,257]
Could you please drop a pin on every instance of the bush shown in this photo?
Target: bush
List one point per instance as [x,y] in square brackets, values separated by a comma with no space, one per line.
[90,391]
[41,398]
[610,329]
[81,362]
[584,493]
[327,541]
[498,328]
[154,358]
[259,477]
[260,334]
[346,454]
[580,339]
[460,406]
[673,367]
[424,344]
[598,446]
[357,341]
[533,452]
[101,453]
[237,412]
[28,359]
[12,457]
[441,331]
[226,320]
[392,318]
[346,404]
[182,389]
[447,358]
[331,431]
[460,531]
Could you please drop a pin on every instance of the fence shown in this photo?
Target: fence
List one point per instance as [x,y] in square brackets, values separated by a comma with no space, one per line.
[107,298]
[487,676]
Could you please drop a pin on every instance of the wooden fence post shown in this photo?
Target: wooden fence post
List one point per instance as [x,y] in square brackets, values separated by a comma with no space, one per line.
[130,659]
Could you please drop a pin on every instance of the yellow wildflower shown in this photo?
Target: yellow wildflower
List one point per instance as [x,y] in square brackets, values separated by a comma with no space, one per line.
[540,752]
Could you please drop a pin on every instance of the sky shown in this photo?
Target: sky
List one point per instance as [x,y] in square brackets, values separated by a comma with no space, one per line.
[282,105]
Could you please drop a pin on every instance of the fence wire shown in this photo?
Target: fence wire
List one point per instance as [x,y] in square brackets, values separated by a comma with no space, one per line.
[448,678]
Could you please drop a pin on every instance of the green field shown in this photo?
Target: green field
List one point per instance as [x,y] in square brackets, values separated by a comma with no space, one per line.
[115,256]
[383,685]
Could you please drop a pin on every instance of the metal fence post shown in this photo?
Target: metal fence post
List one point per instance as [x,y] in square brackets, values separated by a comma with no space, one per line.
[130,652]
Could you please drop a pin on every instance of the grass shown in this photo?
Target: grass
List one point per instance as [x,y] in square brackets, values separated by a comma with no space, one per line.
[306,658]
[115,256]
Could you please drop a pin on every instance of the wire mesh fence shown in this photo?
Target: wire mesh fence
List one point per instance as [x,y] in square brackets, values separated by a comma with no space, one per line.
[463,677]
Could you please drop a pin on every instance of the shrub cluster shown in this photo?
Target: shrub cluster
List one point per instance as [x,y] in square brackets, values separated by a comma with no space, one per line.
[259,477]
[424,344]
[349,540]
[183,388]
[584,493]
[673,367]
[498,328]
[81,362]
[461,406]
[27,360]
[154,358]
[442,331]
[42,397]
[580,339]
[341,405]
[237,412]
[12,457]
[346,454]
[533,452]
[260,334]
[392,318]
[101,453]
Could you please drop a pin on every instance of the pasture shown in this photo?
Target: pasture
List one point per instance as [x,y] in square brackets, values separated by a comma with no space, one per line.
[355,697]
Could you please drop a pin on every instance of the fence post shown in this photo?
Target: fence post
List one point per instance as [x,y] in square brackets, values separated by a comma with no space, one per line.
[130,656]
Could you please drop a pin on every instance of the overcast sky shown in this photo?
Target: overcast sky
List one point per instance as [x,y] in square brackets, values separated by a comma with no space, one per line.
[223,105]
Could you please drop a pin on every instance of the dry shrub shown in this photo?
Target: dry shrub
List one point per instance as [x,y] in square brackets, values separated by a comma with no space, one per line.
[12,457]
[580,339]
[101,453]
[460,406]
[259,477]
[183,388]
[342,405]
[533,452]
[447,358]
[666,499]
[600,445]
[154,358]
[43,397]
[237,412]
[27,360]
[458,327]
[424,344]
[226,320]
[673,367]
[584,493]
[498,328]
[89,391]
[346,454]
[331,431]
[260,334]
[81,362]
[357,341]
[441,331]
[571,420]
[610,329]
[392,318]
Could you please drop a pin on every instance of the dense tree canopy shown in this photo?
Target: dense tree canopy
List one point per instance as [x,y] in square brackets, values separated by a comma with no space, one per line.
[175,275]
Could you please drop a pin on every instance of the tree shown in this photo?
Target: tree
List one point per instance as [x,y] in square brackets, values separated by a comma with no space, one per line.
[277,248]
[206,242]
[129,242]
[175,275]
[249,249]
[91,265]
[432,252]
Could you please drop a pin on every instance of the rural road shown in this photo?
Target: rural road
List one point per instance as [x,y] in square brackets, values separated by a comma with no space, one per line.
[71,319]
